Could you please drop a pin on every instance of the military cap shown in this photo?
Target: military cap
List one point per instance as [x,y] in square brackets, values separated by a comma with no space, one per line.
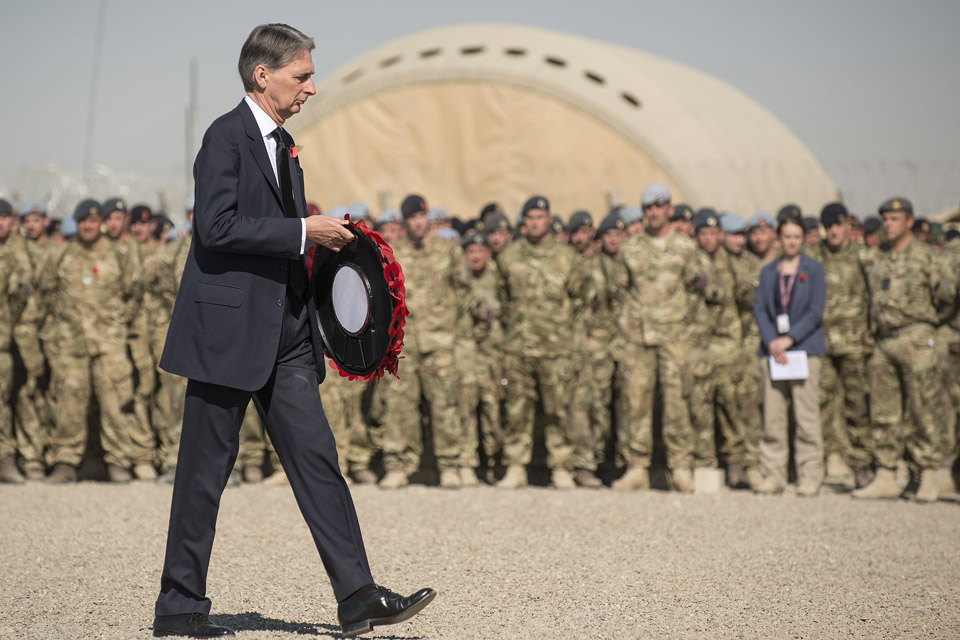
[761,216]
[496,220]
[611,222]
[535,202]
[579,219]
[706,218]
[789,211]
[682,212]
[854,221]
[921,225]
[810,223]
[630,214]
[33,207]
[461,226]
[951,235]
[489,209]
[556,225]
[6,209]
[413,204]
[114,204]
[872,225]
[833,213]
[339,212]
[732,223]
[474,237]
[895,204]
[87,208]
[141,213]
[448,234]
[436,214]
[53,226]
[655,193]
[358,211]
[390,216]
[69,227]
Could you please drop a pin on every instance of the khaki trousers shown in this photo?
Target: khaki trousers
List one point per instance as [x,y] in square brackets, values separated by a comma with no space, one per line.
[808,445]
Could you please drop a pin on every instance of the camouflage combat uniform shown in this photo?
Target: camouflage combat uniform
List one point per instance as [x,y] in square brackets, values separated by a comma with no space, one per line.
[663,280]
[436,295]
[909,291]
[843,376]
[89,292]
[14,292]
[538,287]
[948,337]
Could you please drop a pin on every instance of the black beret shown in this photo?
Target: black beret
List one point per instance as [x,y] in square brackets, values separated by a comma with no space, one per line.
[496,221]
[413,204]
[706,218]
[556,224]
[872,225]
[87,208]
[114,204]
[833,213]
[6,209]
[950,235]
[579,219]
[489,208]
[682,212]
[921,225]
[789,211]
[141,213]
[53,226]
[895,204]
[611,222]
[810,223]
[474,237]
[535,202]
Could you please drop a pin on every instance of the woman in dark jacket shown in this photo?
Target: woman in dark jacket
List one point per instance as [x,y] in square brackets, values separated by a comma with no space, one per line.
[789,313]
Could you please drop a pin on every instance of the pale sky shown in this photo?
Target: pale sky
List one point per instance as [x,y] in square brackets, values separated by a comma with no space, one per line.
[870,86]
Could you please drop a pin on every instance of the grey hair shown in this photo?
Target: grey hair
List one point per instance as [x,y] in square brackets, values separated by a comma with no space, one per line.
[272,45]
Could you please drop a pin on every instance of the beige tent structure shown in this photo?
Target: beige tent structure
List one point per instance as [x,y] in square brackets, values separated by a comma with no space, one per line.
[478,112]
[951,214]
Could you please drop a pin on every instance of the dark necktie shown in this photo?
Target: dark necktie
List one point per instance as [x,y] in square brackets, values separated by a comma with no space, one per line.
[298,273]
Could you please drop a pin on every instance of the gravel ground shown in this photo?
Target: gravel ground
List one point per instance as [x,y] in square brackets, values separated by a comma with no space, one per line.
[84,561]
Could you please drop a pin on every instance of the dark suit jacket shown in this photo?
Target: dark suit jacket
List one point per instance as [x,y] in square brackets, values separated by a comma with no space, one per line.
[225,327]
[806,307]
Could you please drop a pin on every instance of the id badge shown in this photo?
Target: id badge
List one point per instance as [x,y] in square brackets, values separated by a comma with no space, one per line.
[783,323]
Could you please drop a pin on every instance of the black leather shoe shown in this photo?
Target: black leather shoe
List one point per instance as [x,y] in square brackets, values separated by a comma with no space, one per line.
[191,625]
[374,605]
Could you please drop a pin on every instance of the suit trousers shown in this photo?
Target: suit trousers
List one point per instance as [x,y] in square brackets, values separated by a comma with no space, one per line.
[294,418]
[804,395]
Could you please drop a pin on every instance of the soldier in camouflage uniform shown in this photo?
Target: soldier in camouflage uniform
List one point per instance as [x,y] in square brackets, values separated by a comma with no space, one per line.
[343,401]
[596,340]
[90,287]
[911,292]
[540,283]
[436,297]
[716,342]
[949,338]
[665,278]
[843,376]
[14,290]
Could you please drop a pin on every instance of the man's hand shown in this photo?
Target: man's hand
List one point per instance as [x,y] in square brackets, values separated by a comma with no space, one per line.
[778,348]
[328,232]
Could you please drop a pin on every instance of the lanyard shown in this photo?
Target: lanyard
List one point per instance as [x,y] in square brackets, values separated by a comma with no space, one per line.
[786,289]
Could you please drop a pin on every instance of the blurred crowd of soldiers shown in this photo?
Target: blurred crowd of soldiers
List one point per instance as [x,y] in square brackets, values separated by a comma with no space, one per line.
[584,353]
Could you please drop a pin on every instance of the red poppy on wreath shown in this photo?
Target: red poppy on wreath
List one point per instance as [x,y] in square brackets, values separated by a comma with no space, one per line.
[95,271]
[803,277]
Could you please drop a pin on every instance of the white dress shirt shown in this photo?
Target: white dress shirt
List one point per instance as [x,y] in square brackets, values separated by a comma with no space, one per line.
[267,127]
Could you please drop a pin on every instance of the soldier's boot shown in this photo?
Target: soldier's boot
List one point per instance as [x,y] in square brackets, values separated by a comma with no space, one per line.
[9,473]
[681,480]
[514,478]
[947,482]
[145,471]
[635,479]
[235,478]
[168,476]
[365,476]
[468,477]
[837,469]
[736,476]
[394,479]
[754,477]
[253,473]
[587,479]
[929,489]
[449,478]
[883,485]
[808,488]
[768,486]
[862,477]
[561,479]
[33,472]
[118,474]
[62,474]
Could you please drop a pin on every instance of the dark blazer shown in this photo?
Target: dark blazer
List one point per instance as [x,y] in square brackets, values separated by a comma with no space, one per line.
[806,307]
[225,327]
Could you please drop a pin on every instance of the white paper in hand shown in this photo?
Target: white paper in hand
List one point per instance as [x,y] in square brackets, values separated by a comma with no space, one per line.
[794,369]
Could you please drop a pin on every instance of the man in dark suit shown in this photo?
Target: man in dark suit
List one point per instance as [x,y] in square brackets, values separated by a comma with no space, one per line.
[244,327]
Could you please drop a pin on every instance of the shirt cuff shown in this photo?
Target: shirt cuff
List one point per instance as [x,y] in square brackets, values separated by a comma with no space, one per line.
[303,235]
